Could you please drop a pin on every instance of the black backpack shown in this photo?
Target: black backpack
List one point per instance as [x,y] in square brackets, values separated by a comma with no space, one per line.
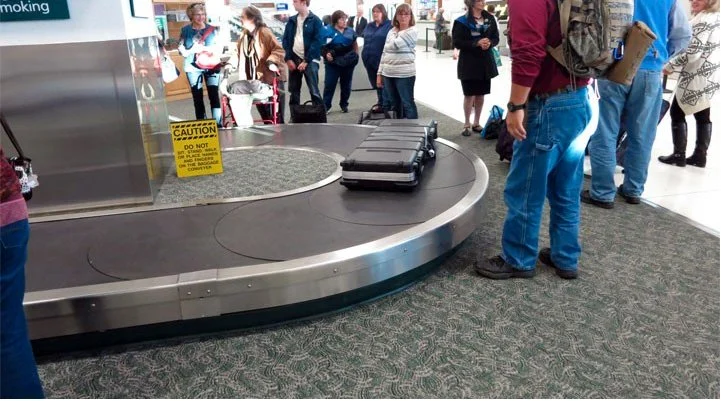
[504,146]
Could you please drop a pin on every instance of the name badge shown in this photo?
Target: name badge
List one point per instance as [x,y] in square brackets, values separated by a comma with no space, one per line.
[474,33]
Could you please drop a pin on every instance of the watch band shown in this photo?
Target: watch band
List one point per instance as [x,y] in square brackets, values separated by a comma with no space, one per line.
[515,107]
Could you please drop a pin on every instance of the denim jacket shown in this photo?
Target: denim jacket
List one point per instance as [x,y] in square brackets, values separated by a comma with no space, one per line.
[313,37]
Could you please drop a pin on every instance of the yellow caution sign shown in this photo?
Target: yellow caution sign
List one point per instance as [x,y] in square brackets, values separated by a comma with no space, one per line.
[196,147]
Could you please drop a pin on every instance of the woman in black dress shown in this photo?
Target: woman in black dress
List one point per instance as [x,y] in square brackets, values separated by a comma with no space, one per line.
[475,34]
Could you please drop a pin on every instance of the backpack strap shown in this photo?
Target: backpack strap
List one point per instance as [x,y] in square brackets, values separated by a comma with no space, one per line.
[564,11]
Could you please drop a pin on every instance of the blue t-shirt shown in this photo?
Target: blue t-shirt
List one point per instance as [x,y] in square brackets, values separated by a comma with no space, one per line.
[187,36]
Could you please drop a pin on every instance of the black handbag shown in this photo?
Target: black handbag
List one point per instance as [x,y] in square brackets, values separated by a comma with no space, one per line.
[21,163]
[308,113]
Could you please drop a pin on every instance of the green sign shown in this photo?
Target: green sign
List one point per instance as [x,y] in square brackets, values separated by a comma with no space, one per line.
[33,10]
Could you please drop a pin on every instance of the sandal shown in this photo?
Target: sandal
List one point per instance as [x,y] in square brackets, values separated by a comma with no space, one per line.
[466,131]
[477,128]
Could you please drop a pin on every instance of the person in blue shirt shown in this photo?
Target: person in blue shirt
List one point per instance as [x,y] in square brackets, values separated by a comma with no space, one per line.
[341,56]
[640,103]
[374,37]
[191,37]
[303,37]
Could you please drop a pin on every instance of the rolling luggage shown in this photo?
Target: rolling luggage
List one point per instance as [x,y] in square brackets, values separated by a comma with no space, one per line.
[415,133]
[431,124]
[392,144]
[375,168]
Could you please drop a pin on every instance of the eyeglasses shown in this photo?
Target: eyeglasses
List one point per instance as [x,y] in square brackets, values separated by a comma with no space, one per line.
[403,13]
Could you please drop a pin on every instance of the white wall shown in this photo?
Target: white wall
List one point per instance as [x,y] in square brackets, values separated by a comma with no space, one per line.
[90,21]
[137,27]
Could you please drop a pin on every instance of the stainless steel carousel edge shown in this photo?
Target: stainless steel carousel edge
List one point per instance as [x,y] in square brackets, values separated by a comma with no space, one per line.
[214,292]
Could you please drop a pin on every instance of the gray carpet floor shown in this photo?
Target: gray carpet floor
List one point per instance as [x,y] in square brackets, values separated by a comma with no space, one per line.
[250,172]
[642,321]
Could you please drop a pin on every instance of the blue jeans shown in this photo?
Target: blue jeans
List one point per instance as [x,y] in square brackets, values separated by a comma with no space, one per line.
[548,163]
[333,73]
[399,92]
[295,80]
[372,77]
[18,372]
[212,80]
[641,103]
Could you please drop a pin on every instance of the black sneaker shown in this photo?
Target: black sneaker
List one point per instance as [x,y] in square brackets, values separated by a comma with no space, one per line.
[497,269]
[586,198]
[545,257]
[344,109]
[634,200]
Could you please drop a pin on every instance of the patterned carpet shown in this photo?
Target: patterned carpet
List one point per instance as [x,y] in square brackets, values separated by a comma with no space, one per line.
[642,321]
[250,172]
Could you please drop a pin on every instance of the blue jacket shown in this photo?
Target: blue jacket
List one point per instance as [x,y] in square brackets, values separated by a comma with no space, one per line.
[313,37]
[670,23]
[374,39]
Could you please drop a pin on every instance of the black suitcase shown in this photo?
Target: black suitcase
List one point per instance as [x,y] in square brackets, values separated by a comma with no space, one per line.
[429,123]
[392,144]
[429,146]
[390,169]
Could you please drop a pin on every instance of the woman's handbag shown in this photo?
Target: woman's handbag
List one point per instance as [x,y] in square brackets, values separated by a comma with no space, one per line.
[168,70]
[207,60]
[497,56]
[21,164]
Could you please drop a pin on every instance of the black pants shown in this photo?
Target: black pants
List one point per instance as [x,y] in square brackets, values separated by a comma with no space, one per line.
[266,111]
[678,116]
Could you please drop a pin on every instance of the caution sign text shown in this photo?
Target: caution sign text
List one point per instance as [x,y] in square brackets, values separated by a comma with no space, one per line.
[196,147]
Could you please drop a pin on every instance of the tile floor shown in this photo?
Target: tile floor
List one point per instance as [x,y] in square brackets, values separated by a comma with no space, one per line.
[690,192]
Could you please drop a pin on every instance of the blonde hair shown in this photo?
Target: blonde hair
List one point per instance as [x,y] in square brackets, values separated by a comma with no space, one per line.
[712,6]
[194,8]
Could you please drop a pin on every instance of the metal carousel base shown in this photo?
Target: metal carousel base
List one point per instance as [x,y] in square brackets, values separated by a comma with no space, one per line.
[245,259]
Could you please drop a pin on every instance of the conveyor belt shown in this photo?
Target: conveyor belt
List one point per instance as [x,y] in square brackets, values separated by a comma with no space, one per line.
[150,265]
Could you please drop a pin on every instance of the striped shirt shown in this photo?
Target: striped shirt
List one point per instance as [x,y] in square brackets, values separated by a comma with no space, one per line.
[399,54]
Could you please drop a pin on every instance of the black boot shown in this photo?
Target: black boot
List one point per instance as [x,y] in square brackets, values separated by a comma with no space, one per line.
[679,134]
[703,139]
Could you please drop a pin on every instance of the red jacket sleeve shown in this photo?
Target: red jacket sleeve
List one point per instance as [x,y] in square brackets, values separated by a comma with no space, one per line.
[528,22]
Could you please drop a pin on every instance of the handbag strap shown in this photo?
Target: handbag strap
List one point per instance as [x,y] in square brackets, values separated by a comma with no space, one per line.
[210,29]
[10,135]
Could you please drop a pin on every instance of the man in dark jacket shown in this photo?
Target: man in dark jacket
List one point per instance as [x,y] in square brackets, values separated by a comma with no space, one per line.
[358,22]
[302,40]
[550,121]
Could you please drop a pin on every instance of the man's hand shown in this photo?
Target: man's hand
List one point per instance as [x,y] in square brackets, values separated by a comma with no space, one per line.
[379,81]
[302,66]
[291,65]
[514,124]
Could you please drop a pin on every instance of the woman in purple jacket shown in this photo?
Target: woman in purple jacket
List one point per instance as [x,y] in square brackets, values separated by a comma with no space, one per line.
[374,37]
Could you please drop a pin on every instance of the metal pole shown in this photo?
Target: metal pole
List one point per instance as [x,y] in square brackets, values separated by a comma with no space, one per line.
[426,51]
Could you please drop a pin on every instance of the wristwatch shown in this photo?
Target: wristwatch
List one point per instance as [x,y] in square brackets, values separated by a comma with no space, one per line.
[515,107]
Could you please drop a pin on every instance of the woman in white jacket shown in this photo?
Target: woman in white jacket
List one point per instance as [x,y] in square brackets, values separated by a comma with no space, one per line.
[698,67]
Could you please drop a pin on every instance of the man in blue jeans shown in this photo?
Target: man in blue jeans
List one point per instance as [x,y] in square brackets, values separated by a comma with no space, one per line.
[303,37]
[548,152]
[640,103]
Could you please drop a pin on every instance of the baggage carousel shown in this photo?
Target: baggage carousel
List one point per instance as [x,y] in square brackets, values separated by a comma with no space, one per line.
[263,243]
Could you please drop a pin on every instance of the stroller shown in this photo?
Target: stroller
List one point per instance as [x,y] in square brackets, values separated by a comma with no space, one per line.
[238,97]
